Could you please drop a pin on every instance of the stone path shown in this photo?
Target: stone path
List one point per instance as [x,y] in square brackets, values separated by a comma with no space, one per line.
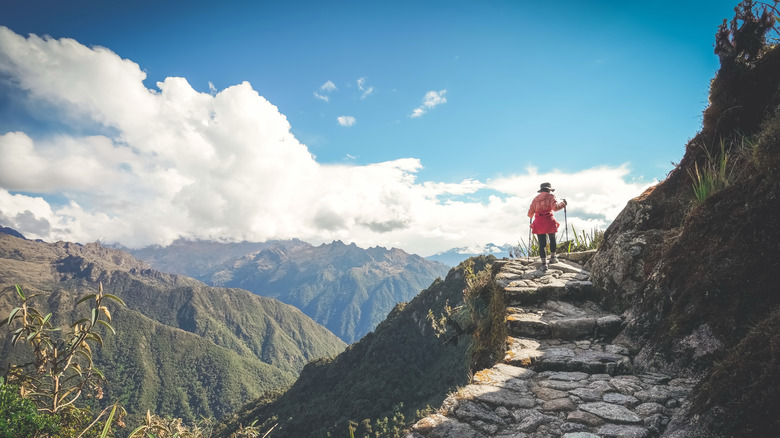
[562,376]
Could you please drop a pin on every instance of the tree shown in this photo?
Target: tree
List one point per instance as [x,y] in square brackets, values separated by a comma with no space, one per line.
[745,37]
[62,369]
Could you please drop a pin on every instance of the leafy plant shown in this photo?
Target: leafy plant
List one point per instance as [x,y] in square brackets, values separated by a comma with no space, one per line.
[62,369]
[713,176]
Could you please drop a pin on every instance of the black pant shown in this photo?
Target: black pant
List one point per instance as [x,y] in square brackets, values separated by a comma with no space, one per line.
[543,242]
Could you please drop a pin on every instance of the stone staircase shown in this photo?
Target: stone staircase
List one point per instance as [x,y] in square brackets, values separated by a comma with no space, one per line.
[561,376]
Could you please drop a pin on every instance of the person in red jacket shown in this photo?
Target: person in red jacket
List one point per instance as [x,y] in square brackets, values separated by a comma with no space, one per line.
[544,223]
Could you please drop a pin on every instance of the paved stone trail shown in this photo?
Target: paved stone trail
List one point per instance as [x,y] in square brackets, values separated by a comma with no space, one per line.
[561,377]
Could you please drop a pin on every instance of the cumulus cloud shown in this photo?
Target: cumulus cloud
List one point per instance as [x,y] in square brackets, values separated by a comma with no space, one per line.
[168,162]
[346,120]
[323,93]
[430,101]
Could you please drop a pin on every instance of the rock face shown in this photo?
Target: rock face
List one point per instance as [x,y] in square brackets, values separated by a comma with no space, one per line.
[562,375]
[695,281]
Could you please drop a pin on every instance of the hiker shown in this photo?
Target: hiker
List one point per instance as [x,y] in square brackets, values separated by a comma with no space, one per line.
[544,224]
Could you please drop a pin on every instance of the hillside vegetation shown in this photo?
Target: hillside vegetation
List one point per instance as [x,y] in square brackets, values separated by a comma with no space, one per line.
[182,348]
[380,382]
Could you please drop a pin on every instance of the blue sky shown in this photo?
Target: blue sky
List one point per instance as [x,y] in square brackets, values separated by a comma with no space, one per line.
[462,107]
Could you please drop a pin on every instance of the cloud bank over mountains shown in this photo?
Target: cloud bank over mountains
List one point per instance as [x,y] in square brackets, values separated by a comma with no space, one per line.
[145,166]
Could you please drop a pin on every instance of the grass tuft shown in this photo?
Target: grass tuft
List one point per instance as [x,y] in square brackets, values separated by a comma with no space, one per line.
[713,176]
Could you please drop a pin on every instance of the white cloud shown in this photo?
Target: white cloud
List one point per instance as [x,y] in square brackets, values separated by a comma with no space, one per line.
[324,91]
[328,87]
[346,120]
[430,101]
[172,162]
[367,91]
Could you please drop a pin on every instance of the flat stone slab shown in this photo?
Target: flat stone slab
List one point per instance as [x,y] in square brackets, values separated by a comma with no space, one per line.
[499,396]
[620,431]
[528,324]
[470,411]
[573,328]
[611,412]
[568,376]
[502,374]
[440,426]
[589,361]
[522,352]
[620,399]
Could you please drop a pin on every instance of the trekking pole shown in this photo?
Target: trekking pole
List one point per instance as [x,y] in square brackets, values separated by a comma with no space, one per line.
[528,249]
[565,220]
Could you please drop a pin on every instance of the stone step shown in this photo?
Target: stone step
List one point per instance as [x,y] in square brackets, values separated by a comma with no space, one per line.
[512,271]
[507,401]
[580,356]
[526,284]
[554,290]
[562,320]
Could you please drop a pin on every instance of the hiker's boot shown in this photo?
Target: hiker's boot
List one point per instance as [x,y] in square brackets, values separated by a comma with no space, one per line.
[544,264]
[553,259]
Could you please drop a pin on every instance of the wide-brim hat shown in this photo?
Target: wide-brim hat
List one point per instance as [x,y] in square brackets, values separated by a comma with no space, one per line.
[545,187]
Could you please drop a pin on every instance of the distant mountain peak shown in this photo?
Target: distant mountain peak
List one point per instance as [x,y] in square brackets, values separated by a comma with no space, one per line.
[454,256]
[12,232]
[346,288]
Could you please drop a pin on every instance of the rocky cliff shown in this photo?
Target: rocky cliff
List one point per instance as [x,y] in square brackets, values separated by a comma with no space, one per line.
[695,281]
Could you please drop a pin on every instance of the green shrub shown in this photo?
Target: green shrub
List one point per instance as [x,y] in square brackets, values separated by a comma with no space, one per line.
[19,417]
[486,303]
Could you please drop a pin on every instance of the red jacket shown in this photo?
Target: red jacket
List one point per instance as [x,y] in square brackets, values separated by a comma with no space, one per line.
[542,206]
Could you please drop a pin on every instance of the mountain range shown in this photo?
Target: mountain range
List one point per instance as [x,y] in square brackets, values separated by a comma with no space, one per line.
[454,256]
[182,348]
[347,289]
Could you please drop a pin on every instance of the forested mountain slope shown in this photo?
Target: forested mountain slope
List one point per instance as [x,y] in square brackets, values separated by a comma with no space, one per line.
[182,348]
[380,382]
